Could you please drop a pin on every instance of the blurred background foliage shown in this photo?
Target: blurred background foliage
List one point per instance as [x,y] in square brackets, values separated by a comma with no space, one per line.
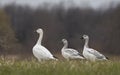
[18,23]
[8,41]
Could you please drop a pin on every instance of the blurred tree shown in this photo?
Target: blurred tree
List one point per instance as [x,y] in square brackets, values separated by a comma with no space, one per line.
[7,37]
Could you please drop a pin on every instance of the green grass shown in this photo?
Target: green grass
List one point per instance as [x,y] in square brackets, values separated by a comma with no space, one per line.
[73,67]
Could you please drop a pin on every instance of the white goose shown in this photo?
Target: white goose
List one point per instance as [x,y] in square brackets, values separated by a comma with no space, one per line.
[91,54]
[69,53]
[39,51]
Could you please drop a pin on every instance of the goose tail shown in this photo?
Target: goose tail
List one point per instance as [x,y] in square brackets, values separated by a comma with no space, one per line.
[56,58]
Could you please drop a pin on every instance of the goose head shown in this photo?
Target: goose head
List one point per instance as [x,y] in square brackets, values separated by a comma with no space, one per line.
[39,30]
[64,41]
[85,37]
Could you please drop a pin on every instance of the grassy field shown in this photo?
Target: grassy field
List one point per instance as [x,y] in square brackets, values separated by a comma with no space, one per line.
[62,67]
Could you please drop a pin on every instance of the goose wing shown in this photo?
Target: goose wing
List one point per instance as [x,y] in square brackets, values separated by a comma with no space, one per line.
[42,51]
[96,53]
[72,52]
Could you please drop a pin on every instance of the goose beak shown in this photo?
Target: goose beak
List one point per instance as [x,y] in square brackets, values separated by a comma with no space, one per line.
[81,37]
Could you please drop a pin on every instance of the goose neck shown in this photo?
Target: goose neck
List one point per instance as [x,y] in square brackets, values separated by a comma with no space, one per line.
[40,38]
[86,42]
[65,45]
